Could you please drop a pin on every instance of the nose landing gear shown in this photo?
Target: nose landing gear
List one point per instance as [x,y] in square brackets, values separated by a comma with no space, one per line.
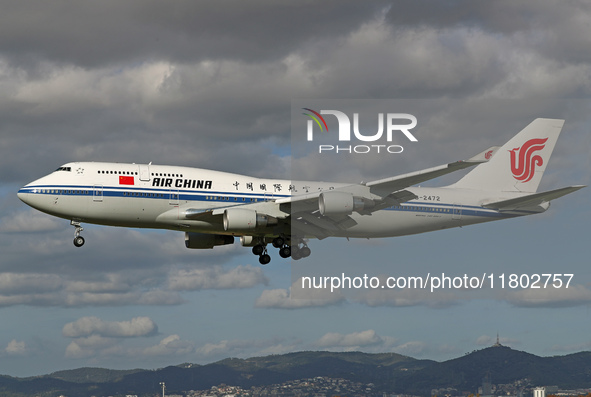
[78,239]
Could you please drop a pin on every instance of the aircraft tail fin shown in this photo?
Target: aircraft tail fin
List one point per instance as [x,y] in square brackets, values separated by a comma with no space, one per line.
[518,165]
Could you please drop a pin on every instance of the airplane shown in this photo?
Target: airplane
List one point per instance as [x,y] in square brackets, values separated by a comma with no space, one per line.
[214,207]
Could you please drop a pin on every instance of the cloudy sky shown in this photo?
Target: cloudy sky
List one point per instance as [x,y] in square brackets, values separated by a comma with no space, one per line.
[211,84]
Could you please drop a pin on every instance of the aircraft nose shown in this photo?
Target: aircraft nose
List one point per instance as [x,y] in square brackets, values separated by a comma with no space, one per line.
[22,195]
[25,193]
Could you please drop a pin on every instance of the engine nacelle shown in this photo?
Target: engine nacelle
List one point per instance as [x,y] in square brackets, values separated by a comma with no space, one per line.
[243,219]
[340,203]
[249,241]
[206,241]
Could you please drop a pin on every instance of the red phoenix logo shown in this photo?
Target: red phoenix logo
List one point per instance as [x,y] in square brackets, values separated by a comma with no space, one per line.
[523,168]
[488,155]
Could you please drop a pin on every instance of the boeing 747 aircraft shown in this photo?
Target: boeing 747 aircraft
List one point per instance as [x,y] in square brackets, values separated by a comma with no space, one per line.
[213,207]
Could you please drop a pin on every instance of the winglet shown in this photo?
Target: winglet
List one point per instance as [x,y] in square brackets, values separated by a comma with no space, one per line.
[484,156]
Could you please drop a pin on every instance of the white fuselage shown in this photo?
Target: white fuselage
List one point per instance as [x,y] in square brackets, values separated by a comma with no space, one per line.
[154,196]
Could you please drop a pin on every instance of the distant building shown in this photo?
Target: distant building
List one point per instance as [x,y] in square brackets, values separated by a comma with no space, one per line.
[551,389]
[540,392]
[486,389]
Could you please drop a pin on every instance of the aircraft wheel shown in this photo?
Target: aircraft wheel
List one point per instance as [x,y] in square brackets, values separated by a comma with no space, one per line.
[264,259]
[278,242]
[285,252]
[78,241]
[305,252]
[258,249]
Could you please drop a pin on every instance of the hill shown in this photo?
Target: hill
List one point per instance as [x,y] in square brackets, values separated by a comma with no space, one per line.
[389,372]
[503,365]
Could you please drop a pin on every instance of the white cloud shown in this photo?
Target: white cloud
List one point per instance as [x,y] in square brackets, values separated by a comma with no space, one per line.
[170,346]
[88,326]
[281,299]
[28,221]
[412,348]
[93,337]
[18,283]
[74,350]
[111,282]
[89,346]
[219,348]
[244,347]
[216,277]
[297,297]
[96,346]
[16,348]
[408,297]
[155,297]
[575,295]
[354,340]
[367,341]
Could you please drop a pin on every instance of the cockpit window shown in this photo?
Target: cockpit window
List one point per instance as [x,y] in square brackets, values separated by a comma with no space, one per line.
[69,169]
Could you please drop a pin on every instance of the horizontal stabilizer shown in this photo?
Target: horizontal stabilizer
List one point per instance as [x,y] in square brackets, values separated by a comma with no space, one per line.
[532,200]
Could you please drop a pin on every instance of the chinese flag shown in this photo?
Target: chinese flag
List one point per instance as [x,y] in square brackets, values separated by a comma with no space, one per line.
[126,180]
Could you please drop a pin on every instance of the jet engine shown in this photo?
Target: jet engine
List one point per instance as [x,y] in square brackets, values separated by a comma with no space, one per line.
[243,219]
[341,203]
[206,241]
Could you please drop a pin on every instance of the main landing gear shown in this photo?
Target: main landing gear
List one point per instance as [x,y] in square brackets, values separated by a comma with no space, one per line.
[261,251]
[285,250]
[78,239]
[300,252]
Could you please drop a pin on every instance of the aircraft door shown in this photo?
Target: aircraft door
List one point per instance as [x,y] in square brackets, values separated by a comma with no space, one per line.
[457,212]
[97,193]
[144,172]
[174,197]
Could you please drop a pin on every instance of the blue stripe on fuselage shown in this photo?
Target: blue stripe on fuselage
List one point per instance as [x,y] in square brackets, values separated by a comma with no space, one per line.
[219,196]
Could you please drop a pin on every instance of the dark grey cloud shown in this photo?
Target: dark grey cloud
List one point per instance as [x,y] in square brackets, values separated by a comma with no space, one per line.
[226,111]
[503,16]
[90,34]
[554,30]
[117,267]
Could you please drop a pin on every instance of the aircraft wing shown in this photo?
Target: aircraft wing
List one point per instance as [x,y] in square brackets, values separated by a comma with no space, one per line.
[324,213]
[403,181]
[214,215]
[263,207]
[321,214]
[532,200]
